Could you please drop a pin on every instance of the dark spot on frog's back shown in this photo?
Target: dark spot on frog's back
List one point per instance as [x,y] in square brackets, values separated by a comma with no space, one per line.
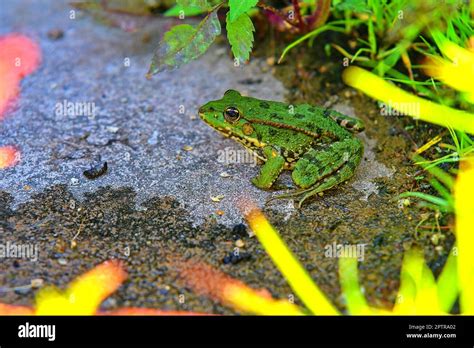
[311,126]
[299,116]
[272,132]
[316,162]
[311,109]
[351,165]
[276,117]
[265,105]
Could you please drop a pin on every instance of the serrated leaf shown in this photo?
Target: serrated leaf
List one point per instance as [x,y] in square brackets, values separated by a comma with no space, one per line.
[189,11]
[240,36]
[184,43]
[238,7]
[193,3]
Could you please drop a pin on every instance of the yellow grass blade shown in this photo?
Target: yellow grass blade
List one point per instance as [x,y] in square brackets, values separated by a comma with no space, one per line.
[398,99]
[295,274]
[348,277]
[448,288]
[430,143]
[464,206]
[84,295]
[248,301]
[418,292]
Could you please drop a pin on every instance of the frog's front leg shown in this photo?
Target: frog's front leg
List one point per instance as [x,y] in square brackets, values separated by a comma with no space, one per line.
[271,169]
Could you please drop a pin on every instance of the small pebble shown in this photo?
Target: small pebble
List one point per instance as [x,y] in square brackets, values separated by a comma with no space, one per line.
[149,108]
[62,262]
[109,303]
[153,139]
[112,129]
[60,245]
[22,290]
[323,69]
[239,243]
[55,34]
[235,258]
[96,171]
[239,231]
[37,283]
[163,291]
[217,198]
[372,276]
[271,61]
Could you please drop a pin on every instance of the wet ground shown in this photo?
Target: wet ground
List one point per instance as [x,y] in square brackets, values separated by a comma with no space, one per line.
[154,202]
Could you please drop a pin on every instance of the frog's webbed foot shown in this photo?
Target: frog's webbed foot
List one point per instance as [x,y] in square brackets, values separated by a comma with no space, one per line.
[291,194]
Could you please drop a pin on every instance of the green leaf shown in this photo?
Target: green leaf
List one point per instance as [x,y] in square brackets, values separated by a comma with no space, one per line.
[353,5]
[239,7]
[240,36]
[193,3]
[188,11]
[184,43]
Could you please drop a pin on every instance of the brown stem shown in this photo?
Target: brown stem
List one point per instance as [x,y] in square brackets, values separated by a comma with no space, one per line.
[277,12]
[297,9]
[321,14]
[433,227]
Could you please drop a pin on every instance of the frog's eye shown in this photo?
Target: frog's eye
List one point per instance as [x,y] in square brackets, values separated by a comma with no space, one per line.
[231,114]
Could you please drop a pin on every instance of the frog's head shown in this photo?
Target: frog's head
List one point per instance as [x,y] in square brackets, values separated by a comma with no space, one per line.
[227,116]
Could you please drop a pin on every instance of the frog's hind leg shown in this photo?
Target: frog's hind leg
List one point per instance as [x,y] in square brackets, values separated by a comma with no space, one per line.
[339,176]
[326,169]
[318,171]
[308,192]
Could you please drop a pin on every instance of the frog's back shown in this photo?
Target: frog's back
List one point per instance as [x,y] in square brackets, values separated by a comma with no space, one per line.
[351,124]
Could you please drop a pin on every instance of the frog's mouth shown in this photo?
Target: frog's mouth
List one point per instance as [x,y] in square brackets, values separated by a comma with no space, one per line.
[250,143]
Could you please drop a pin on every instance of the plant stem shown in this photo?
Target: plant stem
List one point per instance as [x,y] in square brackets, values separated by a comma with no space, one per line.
[276,12]
[321,14]
[297,9]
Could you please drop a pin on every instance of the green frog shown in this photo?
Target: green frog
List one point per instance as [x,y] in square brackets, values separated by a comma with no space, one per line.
[317,144]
